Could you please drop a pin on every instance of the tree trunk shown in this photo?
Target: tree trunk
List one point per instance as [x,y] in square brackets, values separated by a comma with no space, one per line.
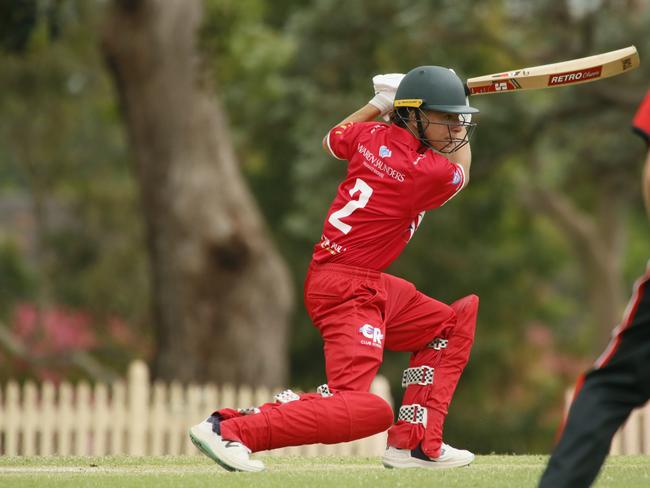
[222,294]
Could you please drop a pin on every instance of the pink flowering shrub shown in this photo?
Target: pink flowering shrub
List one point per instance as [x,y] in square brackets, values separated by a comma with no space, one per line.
[53,331]
[51,336]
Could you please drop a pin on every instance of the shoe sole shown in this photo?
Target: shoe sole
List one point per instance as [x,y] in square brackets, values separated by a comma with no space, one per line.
[207,450]
[421,463]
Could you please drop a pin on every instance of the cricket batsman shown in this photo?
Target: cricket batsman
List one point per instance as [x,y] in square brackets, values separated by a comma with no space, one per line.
[619,381]
[396,171]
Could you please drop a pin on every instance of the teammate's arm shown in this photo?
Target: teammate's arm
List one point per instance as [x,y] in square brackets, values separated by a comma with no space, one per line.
[646,183]
[366,113]
[641,125]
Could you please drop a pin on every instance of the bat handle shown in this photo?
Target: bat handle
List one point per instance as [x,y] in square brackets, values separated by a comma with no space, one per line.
[467,92]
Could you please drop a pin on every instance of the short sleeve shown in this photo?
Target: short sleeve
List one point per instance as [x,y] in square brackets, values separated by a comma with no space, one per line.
[439,180]
[340,140]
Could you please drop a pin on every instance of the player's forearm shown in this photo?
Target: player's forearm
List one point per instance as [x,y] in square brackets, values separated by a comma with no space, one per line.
[641,125]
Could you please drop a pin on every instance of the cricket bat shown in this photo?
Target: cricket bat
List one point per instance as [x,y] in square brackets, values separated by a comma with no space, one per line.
[573,72]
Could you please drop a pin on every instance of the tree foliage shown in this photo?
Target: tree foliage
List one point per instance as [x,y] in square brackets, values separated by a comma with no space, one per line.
[73,236]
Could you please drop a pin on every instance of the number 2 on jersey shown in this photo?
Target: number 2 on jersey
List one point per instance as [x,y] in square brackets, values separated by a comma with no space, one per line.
[364,195]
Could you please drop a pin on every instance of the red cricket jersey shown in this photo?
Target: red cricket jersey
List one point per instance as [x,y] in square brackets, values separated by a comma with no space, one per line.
[381,202]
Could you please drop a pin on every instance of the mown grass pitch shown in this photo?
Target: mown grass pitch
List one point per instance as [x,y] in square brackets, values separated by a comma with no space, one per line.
[295,472]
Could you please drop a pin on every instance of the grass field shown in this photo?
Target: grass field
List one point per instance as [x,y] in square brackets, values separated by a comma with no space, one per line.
[295,472]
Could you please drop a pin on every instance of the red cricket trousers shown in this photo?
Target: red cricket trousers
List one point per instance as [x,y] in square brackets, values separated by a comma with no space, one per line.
[358,313]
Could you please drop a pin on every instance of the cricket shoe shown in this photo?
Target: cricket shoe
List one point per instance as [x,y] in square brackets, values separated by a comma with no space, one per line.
[450,457]
[231,455]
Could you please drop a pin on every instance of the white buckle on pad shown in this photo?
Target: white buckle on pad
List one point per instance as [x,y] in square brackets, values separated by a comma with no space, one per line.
[324,391]
[286,396]
[414,414]
[438,343]
[249,410]
[422,375]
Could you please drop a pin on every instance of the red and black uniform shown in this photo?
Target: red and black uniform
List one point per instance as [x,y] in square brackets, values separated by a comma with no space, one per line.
[605,396]
[359,310]
[618,383]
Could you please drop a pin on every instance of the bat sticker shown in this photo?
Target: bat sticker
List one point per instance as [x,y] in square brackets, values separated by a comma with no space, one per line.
[512,74]
[575,76]
[496,86]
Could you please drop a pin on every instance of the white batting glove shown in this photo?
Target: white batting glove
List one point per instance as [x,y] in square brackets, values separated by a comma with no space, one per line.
[385,87]
[384,102]
[388,82]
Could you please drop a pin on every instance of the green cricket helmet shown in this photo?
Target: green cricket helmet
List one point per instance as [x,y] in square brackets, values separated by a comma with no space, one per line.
[433,88]
[438,89]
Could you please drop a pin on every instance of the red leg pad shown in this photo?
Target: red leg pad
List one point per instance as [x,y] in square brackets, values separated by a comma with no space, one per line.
[448,365]
[343,417]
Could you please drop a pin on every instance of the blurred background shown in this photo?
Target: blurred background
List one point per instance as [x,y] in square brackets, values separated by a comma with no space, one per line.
[162,185]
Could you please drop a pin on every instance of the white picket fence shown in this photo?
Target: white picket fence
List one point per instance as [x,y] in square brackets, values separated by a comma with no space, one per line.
[633,437]
[134,417]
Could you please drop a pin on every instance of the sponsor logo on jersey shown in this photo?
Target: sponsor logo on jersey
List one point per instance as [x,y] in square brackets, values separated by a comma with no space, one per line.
[575,76]
[379,163]
[331,247]
[384,152]
[372,334]
[457,177]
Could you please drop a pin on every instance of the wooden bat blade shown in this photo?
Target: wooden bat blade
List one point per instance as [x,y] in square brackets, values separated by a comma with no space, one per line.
[573,72]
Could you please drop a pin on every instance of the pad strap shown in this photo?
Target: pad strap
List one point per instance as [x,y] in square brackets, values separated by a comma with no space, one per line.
[324,391]
[438,343]
[286,396]
[414,414]
[249,410]
[422,375]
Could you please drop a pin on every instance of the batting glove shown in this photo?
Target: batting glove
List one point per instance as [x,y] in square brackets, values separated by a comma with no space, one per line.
[641,121]
[385,87]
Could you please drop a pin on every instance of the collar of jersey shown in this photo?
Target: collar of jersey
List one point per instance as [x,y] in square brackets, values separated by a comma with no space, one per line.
[403,136]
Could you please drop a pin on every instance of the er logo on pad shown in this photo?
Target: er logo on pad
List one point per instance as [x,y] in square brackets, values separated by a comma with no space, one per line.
[373,334]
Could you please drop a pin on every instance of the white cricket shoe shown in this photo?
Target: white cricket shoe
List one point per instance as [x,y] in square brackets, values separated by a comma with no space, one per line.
[450,457]
[231,455]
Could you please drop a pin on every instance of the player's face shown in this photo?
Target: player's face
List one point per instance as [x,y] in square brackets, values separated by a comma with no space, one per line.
[444,131]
